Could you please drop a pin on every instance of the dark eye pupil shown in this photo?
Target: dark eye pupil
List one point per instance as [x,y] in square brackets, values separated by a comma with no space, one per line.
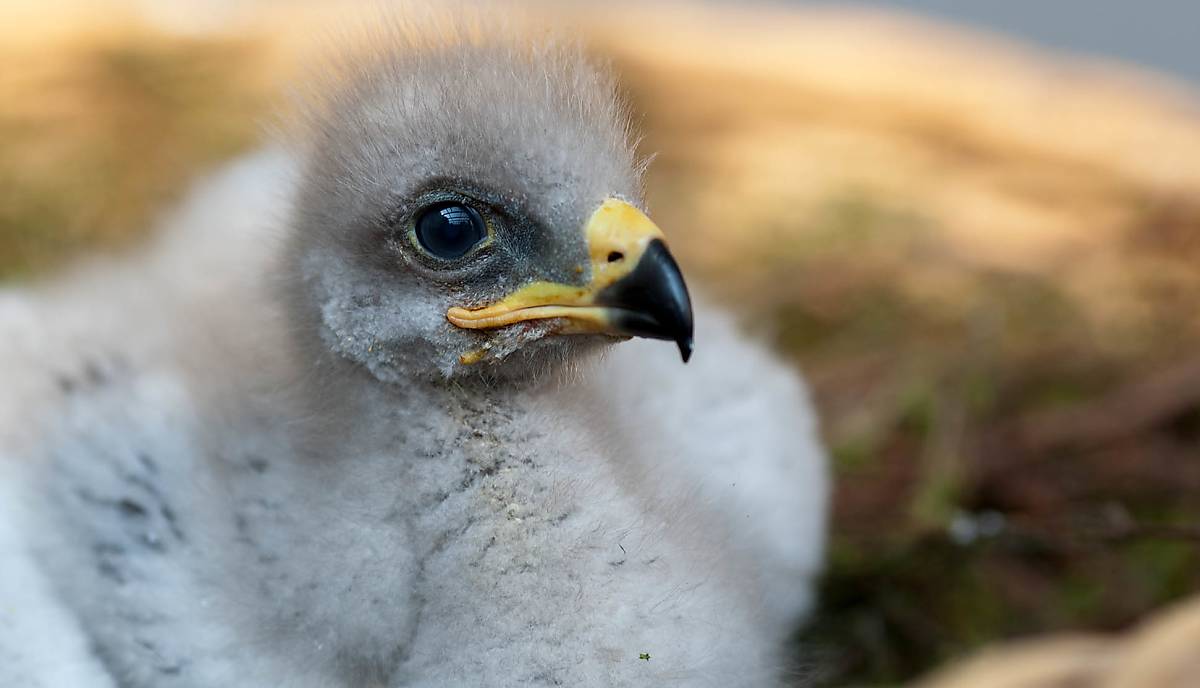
[449,230]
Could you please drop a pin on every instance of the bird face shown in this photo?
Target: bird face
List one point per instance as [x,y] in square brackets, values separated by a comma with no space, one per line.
[634,287]
[474,209]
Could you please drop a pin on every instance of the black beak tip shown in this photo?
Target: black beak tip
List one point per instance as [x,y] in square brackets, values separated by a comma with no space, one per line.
[653,300]
[685,347]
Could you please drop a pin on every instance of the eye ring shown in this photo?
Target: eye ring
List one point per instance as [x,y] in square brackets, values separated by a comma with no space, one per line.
[448,230]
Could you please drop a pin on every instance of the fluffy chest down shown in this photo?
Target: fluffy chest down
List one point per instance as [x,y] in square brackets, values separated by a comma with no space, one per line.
[482,534]
[492,534]
[545,559]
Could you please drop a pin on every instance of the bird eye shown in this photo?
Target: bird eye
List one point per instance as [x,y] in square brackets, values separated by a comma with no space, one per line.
[449,230]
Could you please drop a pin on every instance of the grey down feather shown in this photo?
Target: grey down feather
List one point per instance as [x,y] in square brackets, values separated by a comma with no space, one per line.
[250,455]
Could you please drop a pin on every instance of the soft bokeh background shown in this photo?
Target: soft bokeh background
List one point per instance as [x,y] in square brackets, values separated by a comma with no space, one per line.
[984,253]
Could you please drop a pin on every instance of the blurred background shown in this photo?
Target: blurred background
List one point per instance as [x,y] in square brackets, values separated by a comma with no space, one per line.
[975,225]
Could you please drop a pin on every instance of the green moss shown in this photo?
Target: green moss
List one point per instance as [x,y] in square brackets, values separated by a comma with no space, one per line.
[854,453]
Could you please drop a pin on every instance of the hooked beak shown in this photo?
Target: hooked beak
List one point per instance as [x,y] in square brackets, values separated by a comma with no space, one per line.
[636,288]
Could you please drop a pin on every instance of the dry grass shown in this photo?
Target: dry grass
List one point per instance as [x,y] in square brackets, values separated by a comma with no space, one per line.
[984,257]
[98,131]
[1160,653]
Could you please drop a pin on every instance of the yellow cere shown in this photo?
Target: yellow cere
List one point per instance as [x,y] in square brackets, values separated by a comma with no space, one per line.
[617,235]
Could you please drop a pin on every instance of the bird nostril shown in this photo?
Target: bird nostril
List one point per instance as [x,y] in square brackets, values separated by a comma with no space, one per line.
[615,256]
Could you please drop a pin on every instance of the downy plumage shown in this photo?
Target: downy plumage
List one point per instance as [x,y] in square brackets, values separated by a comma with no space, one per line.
[257,453]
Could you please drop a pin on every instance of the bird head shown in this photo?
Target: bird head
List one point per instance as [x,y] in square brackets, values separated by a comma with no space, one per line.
[474,205]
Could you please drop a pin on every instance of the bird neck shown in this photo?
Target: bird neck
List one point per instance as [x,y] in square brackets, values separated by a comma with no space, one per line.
[378,478]
[340,407]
